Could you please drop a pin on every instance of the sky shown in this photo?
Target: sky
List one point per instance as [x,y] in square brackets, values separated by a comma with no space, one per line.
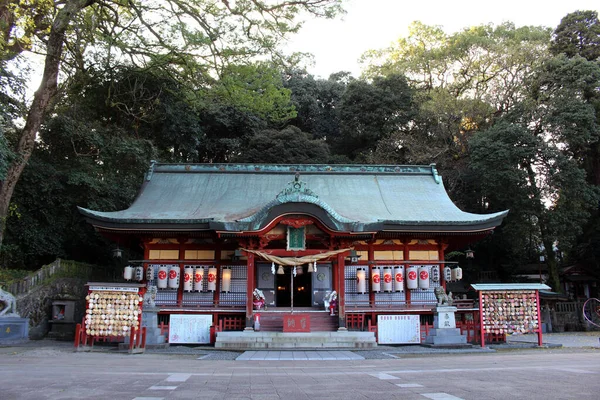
[374,24]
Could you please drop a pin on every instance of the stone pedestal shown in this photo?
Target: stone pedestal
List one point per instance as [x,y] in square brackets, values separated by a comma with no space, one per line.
[153,336]
[444,332]
[14,329]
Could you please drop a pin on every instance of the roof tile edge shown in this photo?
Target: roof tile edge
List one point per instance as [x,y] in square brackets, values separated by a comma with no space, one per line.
[293,168]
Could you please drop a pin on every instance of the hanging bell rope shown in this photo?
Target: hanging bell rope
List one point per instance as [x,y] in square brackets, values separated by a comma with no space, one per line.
[295,261]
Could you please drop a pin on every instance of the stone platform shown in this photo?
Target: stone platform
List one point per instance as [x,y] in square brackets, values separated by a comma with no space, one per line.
[14,329]
[246,340]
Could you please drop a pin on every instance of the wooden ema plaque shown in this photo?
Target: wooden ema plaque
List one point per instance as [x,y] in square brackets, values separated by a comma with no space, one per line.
[510,312]
[296,323]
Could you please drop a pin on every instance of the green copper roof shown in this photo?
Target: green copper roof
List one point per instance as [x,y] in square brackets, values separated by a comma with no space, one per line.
[245,197]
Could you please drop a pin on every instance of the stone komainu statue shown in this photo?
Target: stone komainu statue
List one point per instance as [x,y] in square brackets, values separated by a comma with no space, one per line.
[10,304]
[443,299]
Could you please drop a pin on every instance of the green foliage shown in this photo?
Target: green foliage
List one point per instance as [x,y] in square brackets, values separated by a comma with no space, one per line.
[8,276]
[290,145]
[578,34]
[369,112]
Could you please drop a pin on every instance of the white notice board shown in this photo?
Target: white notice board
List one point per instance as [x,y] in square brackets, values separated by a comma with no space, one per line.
[188,328]
[398,329]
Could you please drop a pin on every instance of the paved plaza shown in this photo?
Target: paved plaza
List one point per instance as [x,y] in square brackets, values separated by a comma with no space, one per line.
[520,370]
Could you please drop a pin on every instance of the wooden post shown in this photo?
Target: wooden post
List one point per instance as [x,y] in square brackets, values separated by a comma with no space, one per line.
[370,272]
[217,292]
[539,315]
[249,292]
[481,328]
[341,280]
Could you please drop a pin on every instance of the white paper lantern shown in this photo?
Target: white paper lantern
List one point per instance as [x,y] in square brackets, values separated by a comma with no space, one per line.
[376,279]
[198,278]
[387,279]
[212,279]
[163,275]
[174,277]
[411,277]
[435,273]
[139,273]
[458,273]
[399,278]
[150,272]
[447,274]
[424,277]
[361,280]
[226,281]
[128,273]
[188,278]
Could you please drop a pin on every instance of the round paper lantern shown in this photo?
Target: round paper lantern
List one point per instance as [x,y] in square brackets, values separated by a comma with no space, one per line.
[188,278]
[163,274]
[376,279]
[174,277]
[198,278]
[435,273]
[150,272]
[212,279]
[361,280]
[399,278]
[411,277]
[457,274]
[128,273]
[447,274]
[424,277]
[387,279]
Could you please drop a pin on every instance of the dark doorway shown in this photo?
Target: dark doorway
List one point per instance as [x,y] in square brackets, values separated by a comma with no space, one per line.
[302,289]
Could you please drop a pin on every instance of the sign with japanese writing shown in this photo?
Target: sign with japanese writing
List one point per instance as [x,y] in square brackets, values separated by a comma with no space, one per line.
[296,239]
[189,328]
[398,329]
[296,323]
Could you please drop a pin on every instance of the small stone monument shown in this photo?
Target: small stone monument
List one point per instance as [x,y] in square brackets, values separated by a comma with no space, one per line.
[150,320]
[444,332]
[13,328]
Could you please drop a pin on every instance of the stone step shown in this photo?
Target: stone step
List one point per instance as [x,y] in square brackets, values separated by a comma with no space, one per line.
[279,340]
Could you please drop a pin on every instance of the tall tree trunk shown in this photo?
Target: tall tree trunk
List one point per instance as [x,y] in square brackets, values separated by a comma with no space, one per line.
[41,104]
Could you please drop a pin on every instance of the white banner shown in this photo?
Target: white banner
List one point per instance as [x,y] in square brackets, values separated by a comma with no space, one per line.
[398,329]
[189,328]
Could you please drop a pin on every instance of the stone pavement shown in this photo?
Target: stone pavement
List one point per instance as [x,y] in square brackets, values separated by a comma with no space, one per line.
[590,340]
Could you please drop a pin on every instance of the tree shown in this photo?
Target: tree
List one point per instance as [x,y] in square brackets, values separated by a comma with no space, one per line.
[578,34]
[199,37]
[369,112]
[290,145]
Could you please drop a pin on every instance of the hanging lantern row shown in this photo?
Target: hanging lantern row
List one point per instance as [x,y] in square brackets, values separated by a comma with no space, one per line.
[417,277]
[133,273]
[168,277]
[452,274]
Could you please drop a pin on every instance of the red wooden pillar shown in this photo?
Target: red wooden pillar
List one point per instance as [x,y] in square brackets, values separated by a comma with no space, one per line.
[181,253]
[406,258]
[249,291]
[341,279]
[217,293]
[441,266]
[371,265]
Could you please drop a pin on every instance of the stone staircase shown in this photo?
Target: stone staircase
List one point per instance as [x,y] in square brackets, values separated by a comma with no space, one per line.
[320,321]
[250,340]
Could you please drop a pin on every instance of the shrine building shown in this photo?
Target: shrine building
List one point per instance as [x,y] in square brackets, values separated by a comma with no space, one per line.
[214,233]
